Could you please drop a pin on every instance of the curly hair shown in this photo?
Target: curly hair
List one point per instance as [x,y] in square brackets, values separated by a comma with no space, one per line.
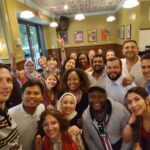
[63,122]
[84,81]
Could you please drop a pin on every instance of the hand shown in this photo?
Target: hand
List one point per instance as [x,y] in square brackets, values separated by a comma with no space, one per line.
[127,133]
[128,80]
[137,146]
[74,130]
[38,142]
[60,41]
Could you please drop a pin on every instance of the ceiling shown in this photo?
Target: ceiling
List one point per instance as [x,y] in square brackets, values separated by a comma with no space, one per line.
[88,7]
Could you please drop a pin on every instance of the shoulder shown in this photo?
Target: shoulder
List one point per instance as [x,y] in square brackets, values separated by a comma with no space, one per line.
[15,109]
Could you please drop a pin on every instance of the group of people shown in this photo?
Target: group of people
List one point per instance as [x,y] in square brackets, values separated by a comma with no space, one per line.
[89,102]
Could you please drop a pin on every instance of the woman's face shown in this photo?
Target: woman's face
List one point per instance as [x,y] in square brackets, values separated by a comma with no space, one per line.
[136,104]
[51,82]
[30,67]
[67,105]
[83,61]
[51,127]
[73,81]
[70,64]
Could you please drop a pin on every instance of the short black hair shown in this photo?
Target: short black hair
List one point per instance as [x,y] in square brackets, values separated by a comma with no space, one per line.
[3,66]
[113,59]
[96,89]
[33,82]
[101,56]
[145,56]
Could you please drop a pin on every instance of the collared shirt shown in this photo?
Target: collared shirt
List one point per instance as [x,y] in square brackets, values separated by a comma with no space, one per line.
[116,91]
[136,71]
[27,124]
[101,81]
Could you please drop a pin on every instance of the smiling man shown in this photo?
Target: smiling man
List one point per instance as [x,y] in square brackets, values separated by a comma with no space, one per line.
[27,114]
[103,122]
[145,63]
[8,129]
[131,64]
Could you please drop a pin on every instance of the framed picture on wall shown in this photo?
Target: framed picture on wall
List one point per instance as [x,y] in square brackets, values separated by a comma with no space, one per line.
[105,34]
[92,35]
[78,36]
[122,32]
[128,31]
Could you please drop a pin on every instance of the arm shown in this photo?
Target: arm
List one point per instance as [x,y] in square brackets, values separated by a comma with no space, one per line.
[89,141]
[63,53]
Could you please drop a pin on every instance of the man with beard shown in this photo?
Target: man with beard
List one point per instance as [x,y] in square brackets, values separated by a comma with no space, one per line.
[115,90]
[103,122]
[145,63]
[131,64]
[98,76]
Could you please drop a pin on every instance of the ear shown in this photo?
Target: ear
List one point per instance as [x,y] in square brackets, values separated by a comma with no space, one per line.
[147,101]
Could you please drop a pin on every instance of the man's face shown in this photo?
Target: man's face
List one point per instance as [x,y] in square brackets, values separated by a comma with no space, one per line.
[98,64]
[146,68]
[97,101]
[130,50]
[113,69]
[32,96]
[6,85]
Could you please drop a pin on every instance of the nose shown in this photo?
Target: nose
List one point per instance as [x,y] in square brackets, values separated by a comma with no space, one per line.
[133,104]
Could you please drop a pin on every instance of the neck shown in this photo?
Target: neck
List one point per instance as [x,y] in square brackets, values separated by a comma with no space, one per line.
[2,105]
[57,138]
[97,74]
[29,110]
[146,114]
[132,60]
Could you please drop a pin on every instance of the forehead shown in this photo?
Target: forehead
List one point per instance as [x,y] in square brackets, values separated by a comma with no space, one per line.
[33,88]
[68,97]
[113,63]
[4,72]
[129,44]
[82,56]
[96,93]
[145,62]
[98,58]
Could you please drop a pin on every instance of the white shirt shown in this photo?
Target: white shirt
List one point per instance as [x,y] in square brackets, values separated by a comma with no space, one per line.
[136,71]
[116,91]
[27,124]
[101,81]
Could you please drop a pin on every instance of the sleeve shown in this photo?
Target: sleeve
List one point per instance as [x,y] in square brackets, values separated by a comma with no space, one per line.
[86,134]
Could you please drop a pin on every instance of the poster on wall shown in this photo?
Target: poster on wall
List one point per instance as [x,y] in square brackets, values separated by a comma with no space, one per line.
[92,35]
[78,36]
[105,34]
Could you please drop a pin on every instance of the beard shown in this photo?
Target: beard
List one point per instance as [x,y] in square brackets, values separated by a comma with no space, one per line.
[114,78]
[98,69]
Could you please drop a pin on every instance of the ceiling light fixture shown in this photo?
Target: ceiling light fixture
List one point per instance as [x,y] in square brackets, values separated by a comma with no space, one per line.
[110,18]
[53,24]
[79,17]
[65,7]
[130,3]
[26,14]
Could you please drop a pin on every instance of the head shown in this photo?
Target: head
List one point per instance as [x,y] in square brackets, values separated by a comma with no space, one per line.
[137,101]
[82,61]
[97,98]
[99,51]
[70,63]
[32,92]
[29,66]
[145,64]
[114,68]
[91,54]
[6,85]
[74,80]
[73,55]
[51,81]
[51,63]
[42,62]
[53,123]
[67,104]
[110,54]
[130,49]
[98,63]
